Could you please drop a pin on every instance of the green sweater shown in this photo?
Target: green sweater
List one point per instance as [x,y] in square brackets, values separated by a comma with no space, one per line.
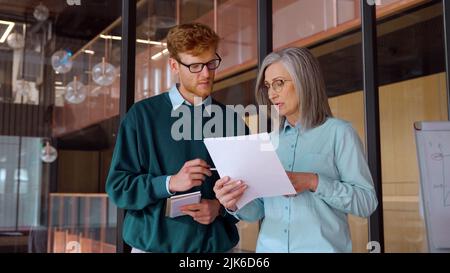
[144,155]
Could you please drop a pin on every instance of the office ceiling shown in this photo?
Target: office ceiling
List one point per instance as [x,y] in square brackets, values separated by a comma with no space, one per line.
[69,22]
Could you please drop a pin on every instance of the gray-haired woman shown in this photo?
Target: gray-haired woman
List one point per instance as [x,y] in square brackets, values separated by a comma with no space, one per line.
[322,155]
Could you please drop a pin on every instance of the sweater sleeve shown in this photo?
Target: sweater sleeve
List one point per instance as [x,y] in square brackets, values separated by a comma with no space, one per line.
[128,184]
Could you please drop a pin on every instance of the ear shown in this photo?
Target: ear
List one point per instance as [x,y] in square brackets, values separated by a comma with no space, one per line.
[174,65]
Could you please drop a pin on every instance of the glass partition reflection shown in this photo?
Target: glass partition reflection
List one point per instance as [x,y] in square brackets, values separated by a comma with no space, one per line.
[81,223]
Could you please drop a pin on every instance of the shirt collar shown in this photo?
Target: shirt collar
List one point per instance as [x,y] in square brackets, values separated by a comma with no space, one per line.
[287,126]
[177,99]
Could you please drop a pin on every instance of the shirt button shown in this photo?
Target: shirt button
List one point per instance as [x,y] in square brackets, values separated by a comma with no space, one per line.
[286,207]
[292,146]
[285,231]
[290,165]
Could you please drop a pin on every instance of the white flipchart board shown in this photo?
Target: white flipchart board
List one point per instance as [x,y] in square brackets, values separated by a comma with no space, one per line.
[433,154]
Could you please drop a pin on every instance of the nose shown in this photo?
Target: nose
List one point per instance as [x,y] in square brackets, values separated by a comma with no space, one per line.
[271,94]
[205,72]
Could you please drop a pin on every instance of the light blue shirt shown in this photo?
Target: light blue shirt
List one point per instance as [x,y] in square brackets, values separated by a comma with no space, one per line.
[316,221]
[177,100]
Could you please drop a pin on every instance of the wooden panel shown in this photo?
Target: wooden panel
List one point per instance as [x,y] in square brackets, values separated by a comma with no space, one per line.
[105,162]
[252,123]
[6,118]
[78,171]
[404,231]
[86,245]
[59,242]
[12,119]
[401,104]
[35,123]
[443,106]
[248,233]
[108,248]
[403,188]
[359,233]
[23,120]
[350,107]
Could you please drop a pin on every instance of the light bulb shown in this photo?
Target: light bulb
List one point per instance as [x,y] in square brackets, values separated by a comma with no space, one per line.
[103,73]
[15,40]
[75,92]
[48,153]
[61,61]
[41,12]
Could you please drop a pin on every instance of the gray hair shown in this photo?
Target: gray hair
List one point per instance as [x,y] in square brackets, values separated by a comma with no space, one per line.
[308,81]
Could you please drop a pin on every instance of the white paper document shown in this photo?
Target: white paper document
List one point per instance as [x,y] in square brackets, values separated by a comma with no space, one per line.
[253,160]
[174,203]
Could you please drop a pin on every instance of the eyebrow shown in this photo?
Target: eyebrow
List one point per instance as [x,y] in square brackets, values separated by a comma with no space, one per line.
[207,61]
[276,79]
[214,59]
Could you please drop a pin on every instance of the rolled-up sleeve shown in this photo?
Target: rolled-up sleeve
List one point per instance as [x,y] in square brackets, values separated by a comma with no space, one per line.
[251,212]
[354,193]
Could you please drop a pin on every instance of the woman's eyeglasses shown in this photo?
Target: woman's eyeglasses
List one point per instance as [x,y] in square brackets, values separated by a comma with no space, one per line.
[277,85]
[198,67]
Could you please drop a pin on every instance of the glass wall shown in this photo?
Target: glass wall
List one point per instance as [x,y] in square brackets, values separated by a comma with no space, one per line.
[80,223]
[315,18]
[59,71]
[234,21]
[20,183]
[96,74]
[154,19]
[318,21]
[237,49]
[236,25]
[59,88]
[413,88]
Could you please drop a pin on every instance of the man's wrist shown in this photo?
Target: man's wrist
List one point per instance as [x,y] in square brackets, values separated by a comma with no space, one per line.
[222,210]
[170,183]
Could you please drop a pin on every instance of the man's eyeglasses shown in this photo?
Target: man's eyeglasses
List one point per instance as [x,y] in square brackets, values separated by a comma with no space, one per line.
[277,85]
[198,67]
